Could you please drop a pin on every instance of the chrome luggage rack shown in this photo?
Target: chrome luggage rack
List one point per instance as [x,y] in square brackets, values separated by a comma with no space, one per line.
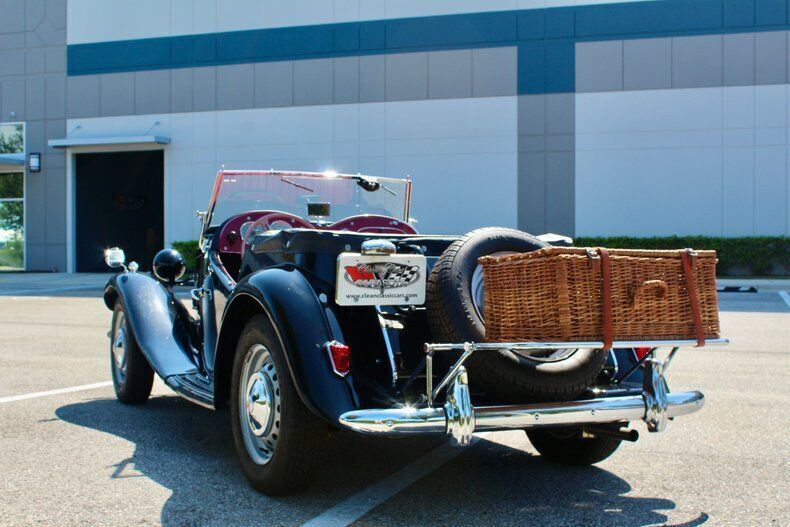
[460,419]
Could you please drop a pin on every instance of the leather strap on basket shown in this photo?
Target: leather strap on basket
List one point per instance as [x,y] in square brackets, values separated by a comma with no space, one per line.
[606,297]
[688,258]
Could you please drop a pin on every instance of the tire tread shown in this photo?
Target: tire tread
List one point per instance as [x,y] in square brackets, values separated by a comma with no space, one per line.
[299,446]
[576,451]
[139,379]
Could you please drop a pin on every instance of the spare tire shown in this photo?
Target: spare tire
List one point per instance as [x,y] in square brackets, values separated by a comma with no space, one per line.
[456,313]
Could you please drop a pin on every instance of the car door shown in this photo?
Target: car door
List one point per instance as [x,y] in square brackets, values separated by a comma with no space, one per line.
[215,288]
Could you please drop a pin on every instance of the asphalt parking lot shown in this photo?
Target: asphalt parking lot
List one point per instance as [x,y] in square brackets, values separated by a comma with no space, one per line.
[81,458]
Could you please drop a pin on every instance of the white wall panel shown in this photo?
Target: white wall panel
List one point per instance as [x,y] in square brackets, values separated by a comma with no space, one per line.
[460,153]
[460,192]
[770,184]
[648,192]
[738,191]
[649,110]
[695,161]
[738,107]
[180,215]
[108,20]
[770,106]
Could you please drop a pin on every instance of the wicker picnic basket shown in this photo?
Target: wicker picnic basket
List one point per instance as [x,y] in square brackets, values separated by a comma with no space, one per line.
[564,294]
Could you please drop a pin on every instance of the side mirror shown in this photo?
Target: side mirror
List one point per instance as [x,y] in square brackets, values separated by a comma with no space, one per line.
[168,266]
[114,257]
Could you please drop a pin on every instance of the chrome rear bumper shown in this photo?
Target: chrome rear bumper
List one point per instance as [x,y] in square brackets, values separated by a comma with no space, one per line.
[403,421]
[459,419]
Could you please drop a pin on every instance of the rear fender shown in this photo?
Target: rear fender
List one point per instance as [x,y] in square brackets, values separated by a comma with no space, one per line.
[154,320]
[303,327]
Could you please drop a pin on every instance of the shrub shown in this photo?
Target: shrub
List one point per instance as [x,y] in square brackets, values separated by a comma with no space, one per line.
[189,250]
[758,256]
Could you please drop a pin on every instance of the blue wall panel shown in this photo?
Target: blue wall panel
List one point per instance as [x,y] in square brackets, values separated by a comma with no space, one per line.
[560,22]
[738,13]
[560,66]
[532,67]
[452,30]
[770,12]
[531,24]
[372,35]
[347,37]
[545,38]
[648,18]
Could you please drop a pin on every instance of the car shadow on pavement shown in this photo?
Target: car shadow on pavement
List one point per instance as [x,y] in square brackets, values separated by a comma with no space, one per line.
[189,450]
[512,486]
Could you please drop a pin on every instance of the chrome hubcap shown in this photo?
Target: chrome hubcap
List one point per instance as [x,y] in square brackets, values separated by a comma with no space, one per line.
[259,404]
[118,347]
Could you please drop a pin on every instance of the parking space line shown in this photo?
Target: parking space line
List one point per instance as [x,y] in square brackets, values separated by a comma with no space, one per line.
[351,509]
[786,297]
[12,398]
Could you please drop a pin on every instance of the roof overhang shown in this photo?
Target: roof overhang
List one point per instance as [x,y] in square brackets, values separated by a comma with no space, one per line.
[69,142]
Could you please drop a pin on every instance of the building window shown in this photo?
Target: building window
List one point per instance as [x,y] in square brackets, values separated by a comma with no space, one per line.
[12,197]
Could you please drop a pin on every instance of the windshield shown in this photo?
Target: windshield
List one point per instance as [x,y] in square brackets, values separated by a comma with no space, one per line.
[323,198]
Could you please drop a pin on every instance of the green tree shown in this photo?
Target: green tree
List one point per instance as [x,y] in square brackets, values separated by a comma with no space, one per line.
[12,140]
[11,216]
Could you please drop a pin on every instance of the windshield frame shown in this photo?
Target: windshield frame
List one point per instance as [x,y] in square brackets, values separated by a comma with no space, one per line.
[287,173]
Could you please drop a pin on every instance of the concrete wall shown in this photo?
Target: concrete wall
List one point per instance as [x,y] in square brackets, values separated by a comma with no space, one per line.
[33,90]
[109,20]
[569,118]
[460,153]
[684,135]
[376,78]
[708,161]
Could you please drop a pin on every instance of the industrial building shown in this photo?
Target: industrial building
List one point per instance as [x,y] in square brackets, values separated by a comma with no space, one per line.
[586,117]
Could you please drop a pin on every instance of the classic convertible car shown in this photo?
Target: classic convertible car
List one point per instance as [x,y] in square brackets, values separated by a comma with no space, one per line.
[319,307]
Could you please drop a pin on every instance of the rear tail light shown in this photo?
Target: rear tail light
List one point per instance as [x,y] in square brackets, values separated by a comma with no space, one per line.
[641,352]
[339,357]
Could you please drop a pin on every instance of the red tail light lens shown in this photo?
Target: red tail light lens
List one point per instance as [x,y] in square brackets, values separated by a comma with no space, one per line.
[340,357]
[641,352]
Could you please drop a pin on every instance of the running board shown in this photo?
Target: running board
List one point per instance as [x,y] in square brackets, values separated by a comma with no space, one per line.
[193,387]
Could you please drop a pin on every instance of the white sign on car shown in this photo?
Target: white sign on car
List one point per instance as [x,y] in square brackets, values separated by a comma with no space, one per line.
[391,280]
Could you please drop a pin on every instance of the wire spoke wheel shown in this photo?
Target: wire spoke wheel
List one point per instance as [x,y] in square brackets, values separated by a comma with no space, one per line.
[259,404]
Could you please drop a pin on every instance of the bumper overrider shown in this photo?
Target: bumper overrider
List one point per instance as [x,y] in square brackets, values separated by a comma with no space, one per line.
[459,419]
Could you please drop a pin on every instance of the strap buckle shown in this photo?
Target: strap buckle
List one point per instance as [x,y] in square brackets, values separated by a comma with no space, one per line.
[593,259]
[692,257]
